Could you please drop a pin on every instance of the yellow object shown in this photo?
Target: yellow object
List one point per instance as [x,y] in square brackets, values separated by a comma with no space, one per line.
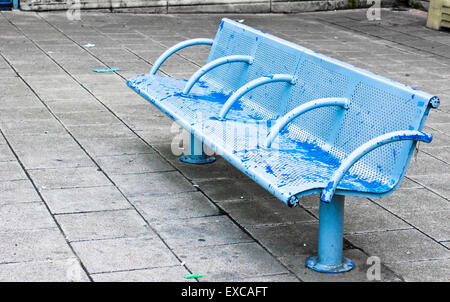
[438,14]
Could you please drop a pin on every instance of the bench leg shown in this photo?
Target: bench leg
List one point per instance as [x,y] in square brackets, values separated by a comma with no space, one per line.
[331,223]
[196,154]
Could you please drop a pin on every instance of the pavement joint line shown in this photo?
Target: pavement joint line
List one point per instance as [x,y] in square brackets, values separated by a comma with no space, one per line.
[94,211]
[136,269]
[405,221]
[426,187]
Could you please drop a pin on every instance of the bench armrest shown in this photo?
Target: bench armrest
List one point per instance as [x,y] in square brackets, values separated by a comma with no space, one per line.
[329,190]
[177,47]
[273,78]
[213,64]
[294,113]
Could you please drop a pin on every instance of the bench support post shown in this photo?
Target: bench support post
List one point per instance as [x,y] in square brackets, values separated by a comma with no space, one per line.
[196,154]
[331,224]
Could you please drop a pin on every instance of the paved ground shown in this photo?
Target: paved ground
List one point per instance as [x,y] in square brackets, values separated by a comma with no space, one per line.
[90,191]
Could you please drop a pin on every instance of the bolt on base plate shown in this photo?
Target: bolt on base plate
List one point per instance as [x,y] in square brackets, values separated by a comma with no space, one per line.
[314,264]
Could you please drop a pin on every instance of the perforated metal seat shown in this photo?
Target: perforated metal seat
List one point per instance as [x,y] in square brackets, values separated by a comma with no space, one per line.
[295,121]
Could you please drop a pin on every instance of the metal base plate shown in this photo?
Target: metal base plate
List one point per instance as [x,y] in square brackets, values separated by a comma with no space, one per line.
[314,264]
[197,159]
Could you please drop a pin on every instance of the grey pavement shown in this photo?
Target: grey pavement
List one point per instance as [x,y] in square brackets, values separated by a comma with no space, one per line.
[91,191]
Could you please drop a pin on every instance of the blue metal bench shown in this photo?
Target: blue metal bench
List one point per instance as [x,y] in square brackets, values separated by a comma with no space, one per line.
[295,121]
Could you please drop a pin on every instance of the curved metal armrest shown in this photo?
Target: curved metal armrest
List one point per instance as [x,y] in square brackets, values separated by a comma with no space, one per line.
[303,108]
[328,191]
[252,85]
[177,47]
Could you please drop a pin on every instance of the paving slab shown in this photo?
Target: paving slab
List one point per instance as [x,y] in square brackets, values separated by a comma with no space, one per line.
[68,270]
[25,216]
[103,225]
[231,262]
[91,199]
[166,207]
[192,233]
[120,254]
[17,191]
[400,246]
[68,178]
[30,245]
[152,183]
[163,274]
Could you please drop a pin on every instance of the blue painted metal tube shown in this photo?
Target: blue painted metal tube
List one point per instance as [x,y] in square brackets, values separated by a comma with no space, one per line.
[196,152]
[294,113]
[252,85]
[213,64]
[162,58]
[16,3]
[328,191]
[331,225]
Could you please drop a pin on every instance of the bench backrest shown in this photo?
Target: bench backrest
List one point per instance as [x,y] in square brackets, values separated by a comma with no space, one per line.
[378,105]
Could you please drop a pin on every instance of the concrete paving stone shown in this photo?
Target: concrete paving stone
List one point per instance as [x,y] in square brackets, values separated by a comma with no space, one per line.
[168,207]
[359,273]
[152,183]
[264,212]
[430,271]
[101,256]
[33,245]
[413,200]
[202,231]
[101,131]
[425,164]
[434,224]
[103,225]
[356,219]
[270,278]
[155,135]
[440,153]
[68,270]
[75,200]
[219,169]
[101,146]
[88,118]
[46,179]
[32,128]
[284,240]
[162,274]
[444,128]
[134,163]
[17,191]
[49,151]
[142,116]
[25,216]
[400,246]
[62,92]
[6,154]
[28,114]
[439,139]
[407,183]
[231,262]
[437,183]
[233,189]
[69,106]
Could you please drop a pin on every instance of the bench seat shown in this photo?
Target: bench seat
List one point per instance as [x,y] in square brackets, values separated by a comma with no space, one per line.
[298,169]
